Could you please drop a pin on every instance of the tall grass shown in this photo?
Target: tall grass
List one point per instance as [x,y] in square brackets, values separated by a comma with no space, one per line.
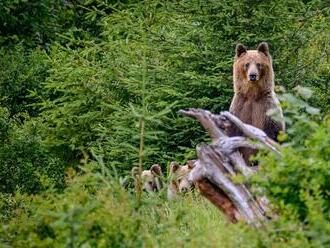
[95,211]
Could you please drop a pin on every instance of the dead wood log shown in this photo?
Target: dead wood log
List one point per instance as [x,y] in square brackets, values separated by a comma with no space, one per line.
[220,161]
[239,195]
[216,196]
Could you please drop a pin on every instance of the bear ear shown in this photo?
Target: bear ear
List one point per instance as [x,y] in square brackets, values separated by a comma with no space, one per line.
[174,167]
[240,49]
[191,164]
[135,171]
[263,47]
[156,169]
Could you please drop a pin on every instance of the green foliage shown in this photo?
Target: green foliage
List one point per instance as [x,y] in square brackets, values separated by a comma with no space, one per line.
[5,124]
[24,73]
[183,53]
[298,182]
[94,80]
[38,23]
[33,22]
[25,164]
[41,22]
[94,211]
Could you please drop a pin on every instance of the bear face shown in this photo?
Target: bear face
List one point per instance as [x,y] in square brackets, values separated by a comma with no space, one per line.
[253,70]
[179,182]
[151,179]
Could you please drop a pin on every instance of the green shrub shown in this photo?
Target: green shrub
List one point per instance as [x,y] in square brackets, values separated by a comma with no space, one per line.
[298,182]
[5,124]
[105,85]
[23,74]
[26,164]
[94,211]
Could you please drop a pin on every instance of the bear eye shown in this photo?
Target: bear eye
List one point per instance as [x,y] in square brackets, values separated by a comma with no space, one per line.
[258,65]
[246,65]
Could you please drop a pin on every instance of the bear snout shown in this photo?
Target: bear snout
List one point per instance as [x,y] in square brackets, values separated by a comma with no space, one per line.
[253,77]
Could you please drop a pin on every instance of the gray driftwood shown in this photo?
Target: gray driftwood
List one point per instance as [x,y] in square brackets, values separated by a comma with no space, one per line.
[220,161]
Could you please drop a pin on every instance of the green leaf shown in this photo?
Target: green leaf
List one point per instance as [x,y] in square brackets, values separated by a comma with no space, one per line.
[312,110]
[304,91]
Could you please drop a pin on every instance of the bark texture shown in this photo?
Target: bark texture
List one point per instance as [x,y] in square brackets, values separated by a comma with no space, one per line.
[220,161]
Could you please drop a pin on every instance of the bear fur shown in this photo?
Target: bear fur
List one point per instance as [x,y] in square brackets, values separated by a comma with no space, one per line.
[151,179]
[178,182]
[254,95]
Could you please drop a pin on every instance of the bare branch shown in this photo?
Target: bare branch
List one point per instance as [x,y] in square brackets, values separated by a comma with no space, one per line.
[253,132]
[205,118]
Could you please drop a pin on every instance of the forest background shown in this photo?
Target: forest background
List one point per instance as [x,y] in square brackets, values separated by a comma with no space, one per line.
[83,82]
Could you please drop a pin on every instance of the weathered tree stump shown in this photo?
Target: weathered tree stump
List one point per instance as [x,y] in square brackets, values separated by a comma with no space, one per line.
[220,161]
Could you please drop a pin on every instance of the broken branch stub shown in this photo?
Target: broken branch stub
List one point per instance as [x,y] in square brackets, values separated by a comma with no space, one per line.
[207,121]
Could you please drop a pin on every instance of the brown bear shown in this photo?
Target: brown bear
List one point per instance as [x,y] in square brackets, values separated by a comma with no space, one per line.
[254,94]
[151,179]
[179,182]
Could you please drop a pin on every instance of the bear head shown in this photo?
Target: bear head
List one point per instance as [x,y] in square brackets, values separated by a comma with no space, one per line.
[151,179]
[253,69]
[179,182]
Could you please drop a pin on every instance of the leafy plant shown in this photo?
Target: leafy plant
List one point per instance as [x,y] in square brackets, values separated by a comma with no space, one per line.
[298,182]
